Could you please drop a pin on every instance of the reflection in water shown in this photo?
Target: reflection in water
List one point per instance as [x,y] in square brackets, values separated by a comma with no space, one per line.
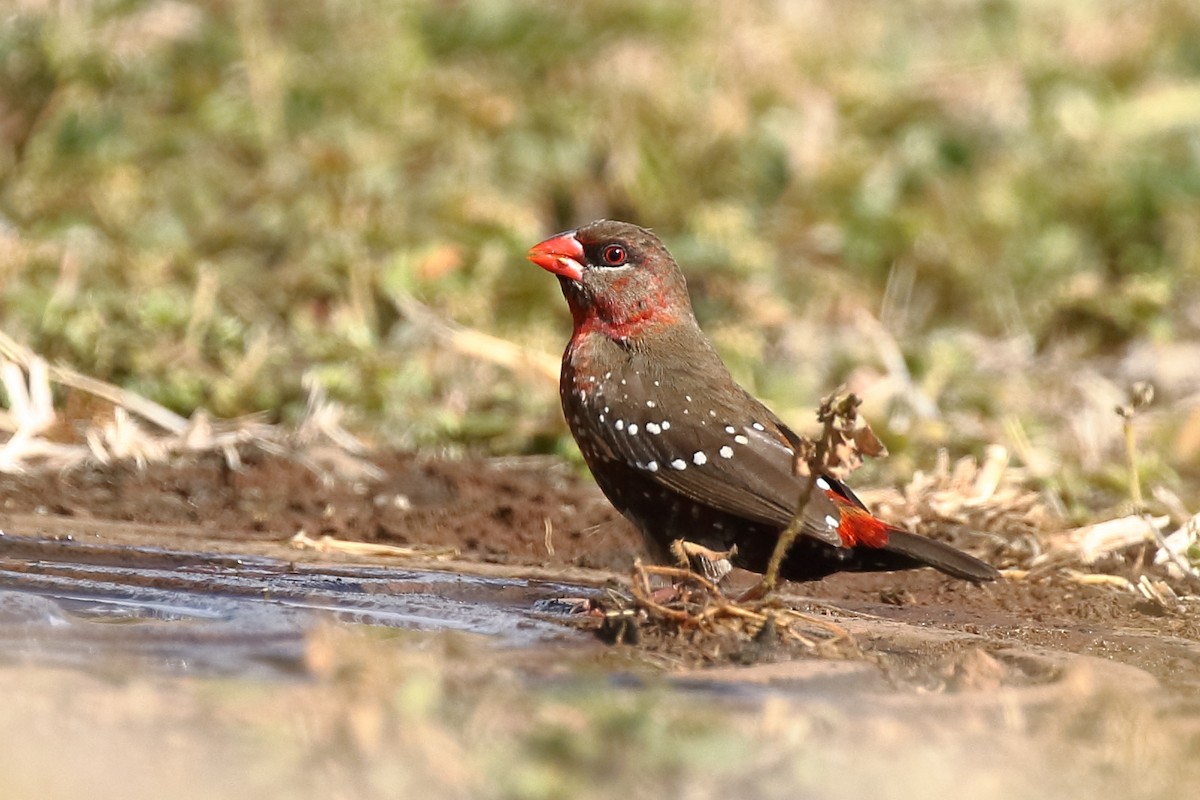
[71,603]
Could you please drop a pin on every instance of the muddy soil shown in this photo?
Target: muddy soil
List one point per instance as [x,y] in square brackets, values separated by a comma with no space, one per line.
[530,511]
[536,517]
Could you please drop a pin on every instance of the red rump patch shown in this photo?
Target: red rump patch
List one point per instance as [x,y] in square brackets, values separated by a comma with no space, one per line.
[858,527]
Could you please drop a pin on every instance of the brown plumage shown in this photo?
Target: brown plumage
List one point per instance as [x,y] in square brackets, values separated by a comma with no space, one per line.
[676,444]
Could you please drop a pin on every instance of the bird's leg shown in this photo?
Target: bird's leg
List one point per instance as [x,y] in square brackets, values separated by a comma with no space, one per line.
[712,564]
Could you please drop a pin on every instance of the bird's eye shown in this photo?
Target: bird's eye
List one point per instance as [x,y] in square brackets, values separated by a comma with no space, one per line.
[614,255]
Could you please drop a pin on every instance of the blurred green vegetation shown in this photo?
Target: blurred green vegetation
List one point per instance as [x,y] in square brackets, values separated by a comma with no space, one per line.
[202,201]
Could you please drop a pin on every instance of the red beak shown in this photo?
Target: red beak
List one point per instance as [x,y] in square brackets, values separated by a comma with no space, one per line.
[562,255]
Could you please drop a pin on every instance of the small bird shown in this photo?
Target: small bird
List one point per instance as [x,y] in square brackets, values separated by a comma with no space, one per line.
[677,446]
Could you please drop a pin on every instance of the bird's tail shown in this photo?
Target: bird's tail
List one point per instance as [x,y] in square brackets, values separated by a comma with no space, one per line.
[939,555]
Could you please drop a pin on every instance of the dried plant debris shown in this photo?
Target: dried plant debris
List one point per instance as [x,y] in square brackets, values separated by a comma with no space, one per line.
[1179,551]
[989,508]
[845,439]
[1133,551]
[689,619]
[984,507]
[1092,544]
[102,423]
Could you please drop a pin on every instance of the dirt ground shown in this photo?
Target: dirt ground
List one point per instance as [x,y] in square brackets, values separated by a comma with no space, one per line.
[537,516]
[1011,690]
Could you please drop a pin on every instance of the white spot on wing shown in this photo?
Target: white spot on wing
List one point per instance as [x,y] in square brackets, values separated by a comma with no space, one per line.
[632,429]
[699,459]
[619,424]
[730,429]
[741,439]
[726,452]
[666,425]
[653,427]
[824,484]
[650,404]
[757,426]
[679,463]
[831,520]
[652,466]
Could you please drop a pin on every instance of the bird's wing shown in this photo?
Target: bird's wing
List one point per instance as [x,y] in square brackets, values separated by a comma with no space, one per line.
[734,456]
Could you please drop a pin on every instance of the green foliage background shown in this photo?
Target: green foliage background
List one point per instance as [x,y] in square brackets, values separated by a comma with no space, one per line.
[202,201]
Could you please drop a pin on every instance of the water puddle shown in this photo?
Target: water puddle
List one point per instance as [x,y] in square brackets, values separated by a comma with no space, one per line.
[73,603]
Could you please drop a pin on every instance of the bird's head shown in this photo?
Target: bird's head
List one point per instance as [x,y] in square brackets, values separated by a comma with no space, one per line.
[618,279]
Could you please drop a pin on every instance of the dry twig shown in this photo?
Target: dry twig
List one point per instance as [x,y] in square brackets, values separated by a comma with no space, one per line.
[844,438]
[696,604]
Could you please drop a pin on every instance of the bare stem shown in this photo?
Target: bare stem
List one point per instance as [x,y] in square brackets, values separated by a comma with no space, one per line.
[833,409]
[1135,481]
[1141,394]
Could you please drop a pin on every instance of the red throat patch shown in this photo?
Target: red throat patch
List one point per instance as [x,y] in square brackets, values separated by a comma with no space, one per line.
[623,321]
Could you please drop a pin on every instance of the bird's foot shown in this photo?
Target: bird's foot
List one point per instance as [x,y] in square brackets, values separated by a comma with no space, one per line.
[712,564]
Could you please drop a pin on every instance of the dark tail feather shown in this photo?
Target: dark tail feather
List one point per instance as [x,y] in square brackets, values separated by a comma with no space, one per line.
[940,556]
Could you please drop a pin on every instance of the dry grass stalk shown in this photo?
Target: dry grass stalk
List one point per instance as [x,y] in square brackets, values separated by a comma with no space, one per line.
[1141,394]
[139,430]
[42,374]
[330,544]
